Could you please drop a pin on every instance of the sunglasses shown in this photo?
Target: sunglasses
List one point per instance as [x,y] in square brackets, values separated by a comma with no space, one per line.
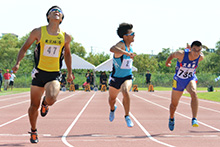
[56,10]
[131,34]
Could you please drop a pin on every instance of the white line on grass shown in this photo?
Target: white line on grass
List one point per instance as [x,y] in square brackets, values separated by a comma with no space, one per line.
[74,122]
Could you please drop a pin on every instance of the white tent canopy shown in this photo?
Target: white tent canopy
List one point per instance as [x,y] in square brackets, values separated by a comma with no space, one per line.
[79,63]
[107,66]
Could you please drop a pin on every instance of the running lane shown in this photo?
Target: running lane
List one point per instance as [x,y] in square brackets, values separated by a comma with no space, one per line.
[93,128]
[156,114]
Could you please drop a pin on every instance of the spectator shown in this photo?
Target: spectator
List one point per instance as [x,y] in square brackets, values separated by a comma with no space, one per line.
[148,77]
[91,78]
[11,81]
[103,79]
[87,77]
[7,77]
[1,77]
[63,79]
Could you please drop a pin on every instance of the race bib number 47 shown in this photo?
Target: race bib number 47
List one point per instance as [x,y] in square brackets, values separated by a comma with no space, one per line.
[51,50]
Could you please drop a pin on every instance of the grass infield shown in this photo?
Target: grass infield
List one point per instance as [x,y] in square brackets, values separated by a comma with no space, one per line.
[202,92]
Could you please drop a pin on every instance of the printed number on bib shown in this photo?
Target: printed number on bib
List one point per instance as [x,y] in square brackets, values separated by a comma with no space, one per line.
[126,64]
[51,50]
[185,73]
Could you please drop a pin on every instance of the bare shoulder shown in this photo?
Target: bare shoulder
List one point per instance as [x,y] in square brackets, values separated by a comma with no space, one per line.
[68,38]
[178,54]
[201,56]
[120,45]
[36,31]
[35,34]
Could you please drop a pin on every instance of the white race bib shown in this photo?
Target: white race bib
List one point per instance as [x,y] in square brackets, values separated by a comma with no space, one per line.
[185,73]
[126,64]
[51,50]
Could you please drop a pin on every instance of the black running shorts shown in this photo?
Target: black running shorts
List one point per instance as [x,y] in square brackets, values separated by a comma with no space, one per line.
[40,77]
[117,82]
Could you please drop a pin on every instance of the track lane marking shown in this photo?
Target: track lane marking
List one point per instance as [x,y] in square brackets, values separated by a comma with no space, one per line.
[163,97]
[22,96]
[209,126]
[11,121]
[74,122]
[144,130]
[14,104]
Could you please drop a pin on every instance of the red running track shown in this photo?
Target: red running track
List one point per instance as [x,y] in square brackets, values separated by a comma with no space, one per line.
[80,119]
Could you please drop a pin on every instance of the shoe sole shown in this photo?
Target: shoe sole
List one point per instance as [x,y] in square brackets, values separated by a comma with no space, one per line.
[195,125]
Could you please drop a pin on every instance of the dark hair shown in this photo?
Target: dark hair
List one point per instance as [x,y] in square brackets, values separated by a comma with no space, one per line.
[51,9]
[123,29]
[196,43]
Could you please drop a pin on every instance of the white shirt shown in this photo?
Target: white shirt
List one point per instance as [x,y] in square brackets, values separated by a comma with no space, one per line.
[12,77]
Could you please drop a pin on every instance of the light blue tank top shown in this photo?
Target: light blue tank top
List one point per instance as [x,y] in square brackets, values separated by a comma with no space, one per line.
[122,66]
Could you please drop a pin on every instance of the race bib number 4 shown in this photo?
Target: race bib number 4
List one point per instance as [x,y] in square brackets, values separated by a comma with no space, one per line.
[126,64]
[51,50]
[185,73]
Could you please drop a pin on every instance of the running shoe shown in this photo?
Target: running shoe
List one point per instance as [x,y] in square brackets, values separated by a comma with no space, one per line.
[44,109]
[128,121]
[33,137]
[171,124]
[195,122]
[112,114]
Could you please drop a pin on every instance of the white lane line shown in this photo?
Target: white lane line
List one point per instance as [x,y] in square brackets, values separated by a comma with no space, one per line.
[144,130]
[14,104]
[74,122]
[11,95]
[6,135]
[187,103]
[22,96]
[11,121]
[209,126]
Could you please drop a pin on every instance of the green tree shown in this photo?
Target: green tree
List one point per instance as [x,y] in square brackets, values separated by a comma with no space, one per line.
[98,58]
[145,62]
[161,58]
[77,48]
[8,48]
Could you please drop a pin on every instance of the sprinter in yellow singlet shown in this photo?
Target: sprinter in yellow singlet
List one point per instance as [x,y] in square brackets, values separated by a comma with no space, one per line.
[52,47]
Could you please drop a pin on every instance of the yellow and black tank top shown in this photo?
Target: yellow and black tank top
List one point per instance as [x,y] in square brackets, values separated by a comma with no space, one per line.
[48,54]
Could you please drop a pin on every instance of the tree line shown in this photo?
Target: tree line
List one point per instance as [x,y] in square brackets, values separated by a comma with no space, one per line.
[10,46]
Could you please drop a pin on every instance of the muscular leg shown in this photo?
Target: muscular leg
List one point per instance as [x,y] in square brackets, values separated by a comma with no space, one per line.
[174,101]
[113,92]
[52,90]
[36,93]
[191,88]
[125,87]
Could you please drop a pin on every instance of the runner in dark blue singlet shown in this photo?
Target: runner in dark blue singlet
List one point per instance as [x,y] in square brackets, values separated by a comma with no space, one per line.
[185,78]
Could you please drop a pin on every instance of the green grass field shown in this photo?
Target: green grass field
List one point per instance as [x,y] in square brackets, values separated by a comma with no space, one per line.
[14,91]
[213,96]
